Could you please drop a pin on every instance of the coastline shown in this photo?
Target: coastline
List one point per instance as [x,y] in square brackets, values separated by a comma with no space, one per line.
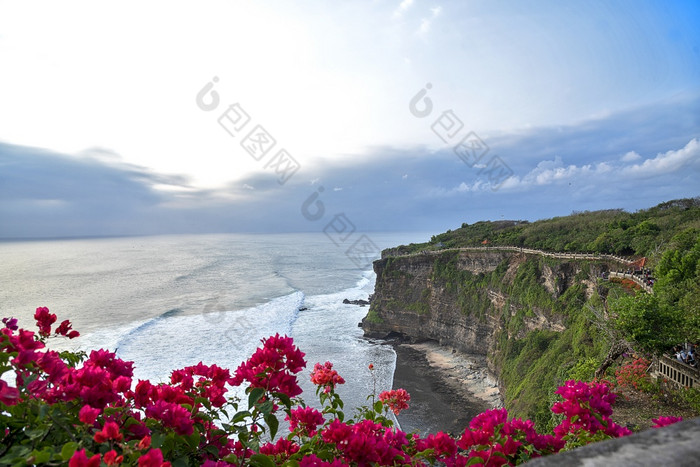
[447,388]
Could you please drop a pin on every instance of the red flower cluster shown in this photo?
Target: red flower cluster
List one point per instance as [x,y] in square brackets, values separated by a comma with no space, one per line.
[497,440]
[325,376]
[118,422]
[367,442]
[633,373]
[303,421]
[587,406]
[44,320]
[396,399]
[273,367]
[211,383]
[665,421]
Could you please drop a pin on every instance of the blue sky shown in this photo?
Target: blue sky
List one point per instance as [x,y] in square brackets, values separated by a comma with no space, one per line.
[133,118]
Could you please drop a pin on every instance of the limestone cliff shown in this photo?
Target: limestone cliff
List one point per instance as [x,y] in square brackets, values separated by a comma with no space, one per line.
[512,307]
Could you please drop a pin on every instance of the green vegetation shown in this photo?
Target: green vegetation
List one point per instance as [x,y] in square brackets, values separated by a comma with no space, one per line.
[671,316]
[612,231]
[533,360]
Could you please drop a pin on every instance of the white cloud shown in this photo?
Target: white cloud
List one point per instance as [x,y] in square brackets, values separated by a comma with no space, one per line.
[555,172]
[426,23]
[670,161]
[630,157]
[405,5]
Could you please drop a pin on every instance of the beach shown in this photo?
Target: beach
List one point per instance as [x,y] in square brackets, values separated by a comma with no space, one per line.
[447,388]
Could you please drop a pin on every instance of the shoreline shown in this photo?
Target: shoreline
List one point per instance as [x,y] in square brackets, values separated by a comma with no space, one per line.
[447,388]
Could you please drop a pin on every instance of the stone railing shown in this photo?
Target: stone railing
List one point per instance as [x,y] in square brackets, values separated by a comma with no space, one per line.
[680,373]
[632,277]
[589,256]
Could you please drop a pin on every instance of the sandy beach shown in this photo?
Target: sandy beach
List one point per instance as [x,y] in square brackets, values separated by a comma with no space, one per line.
[447,388]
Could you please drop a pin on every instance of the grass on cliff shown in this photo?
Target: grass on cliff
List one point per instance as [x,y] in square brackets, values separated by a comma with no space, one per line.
[611,231]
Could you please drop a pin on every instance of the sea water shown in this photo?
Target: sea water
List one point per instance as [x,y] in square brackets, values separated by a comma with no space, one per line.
[166,302]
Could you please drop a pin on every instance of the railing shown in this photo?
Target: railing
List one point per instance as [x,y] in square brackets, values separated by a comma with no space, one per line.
[634,278]
[591,256]
[680,373]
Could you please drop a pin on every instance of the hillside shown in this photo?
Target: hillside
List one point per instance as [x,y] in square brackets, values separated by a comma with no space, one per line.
[542,320]
[612,231]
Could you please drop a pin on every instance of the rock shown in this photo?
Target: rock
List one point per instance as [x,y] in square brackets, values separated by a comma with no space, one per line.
[356,302]
[675,445]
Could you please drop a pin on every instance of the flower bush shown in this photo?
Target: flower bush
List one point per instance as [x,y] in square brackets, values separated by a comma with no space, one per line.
[82,410]
[634,374]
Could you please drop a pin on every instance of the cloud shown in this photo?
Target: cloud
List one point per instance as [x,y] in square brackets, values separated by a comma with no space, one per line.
[672,161]
[630,156]
[555,170]
[403,6]
[427,22]
[551,172]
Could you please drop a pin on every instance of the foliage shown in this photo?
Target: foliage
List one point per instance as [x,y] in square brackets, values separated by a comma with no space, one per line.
[672,315]
[611,231]
[78,410]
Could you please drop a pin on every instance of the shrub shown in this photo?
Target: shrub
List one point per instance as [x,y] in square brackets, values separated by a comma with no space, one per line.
[84,410]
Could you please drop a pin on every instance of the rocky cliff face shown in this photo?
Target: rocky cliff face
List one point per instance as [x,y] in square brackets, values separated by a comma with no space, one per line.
[470,300]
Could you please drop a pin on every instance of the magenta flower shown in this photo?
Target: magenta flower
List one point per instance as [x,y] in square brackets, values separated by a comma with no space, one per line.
[273,367]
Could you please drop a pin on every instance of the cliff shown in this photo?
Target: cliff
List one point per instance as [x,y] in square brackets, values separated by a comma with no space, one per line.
[524,312]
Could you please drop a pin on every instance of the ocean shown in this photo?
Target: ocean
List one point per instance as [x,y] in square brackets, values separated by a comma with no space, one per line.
[165,302]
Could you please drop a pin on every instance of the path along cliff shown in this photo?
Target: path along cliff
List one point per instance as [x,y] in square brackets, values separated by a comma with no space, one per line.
[527,312]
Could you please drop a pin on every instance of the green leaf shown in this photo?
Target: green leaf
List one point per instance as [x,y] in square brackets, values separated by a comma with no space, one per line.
[266,407]
[41,457]
[254,396]
[193,439]
[157,439]
[378,406]
[213,450]
[240,416]
[273,424]
[284,399]
[68,450]
[35,433]
[261,460]
[475,460]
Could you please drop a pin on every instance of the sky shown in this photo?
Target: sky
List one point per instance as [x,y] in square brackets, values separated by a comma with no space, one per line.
[129,118]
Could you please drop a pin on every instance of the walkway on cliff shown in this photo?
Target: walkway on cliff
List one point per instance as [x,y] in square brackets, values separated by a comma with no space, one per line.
[586,256]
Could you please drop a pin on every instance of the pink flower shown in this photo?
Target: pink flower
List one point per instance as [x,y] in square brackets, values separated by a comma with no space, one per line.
[442,444]
[325,375]
[112,458]
[312,461]
[173,416]
[304,420]
[44,320]
[109,432]
[272,367]
[154,458]
[80,459]
[665,421]
[144,443]
[396,399]
[64,329]
[88,415]
[10,323]
[8,394]
[283,449]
